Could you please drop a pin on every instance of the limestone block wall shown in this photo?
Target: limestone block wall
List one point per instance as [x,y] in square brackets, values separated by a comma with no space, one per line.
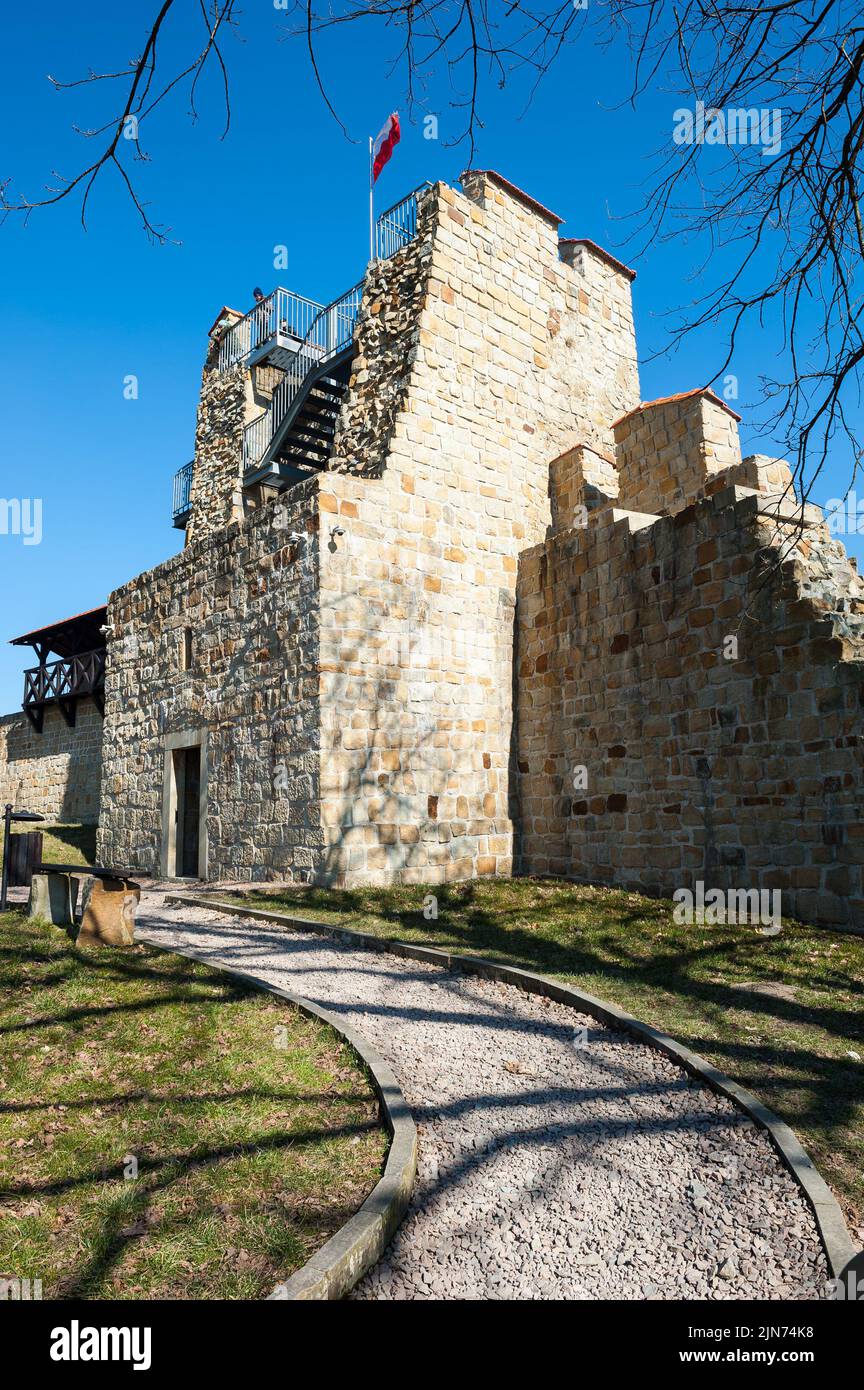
[499,356]
[416,688]
[770,476]
[667,449]
[55,773]
[249,597]
[580,480]
[691,705]
[606,383]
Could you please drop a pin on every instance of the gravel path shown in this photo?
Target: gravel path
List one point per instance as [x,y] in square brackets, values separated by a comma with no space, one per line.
[558,1158]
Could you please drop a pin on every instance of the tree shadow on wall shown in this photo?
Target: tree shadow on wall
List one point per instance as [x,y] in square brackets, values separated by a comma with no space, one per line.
[391,793]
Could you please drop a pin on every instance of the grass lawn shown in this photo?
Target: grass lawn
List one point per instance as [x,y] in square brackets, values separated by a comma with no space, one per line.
[783,1016]
[61,844]
[254,1129]
[68,844]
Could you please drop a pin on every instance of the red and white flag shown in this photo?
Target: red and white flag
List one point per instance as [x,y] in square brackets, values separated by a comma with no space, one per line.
[385,144]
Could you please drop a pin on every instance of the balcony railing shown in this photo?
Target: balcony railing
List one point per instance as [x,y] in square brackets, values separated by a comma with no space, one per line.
[286,315]
[283,314]
[182,493]
[398,225]
[62,682]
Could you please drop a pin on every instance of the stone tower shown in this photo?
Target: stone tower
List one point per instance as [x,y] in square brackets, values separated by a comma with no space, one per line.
[352,691]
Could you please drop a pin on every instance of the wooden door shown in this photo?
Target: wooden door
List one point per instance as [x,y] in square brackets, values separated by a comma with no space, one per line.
[189,793]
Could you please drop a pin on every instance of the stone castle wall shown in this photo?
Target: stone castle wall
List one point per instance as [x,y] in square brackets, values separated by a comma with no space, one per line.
[55,773]
[248,594]
[486,353]
[691,702]
[478,351]
[666,451]
[512,572]
[216,498]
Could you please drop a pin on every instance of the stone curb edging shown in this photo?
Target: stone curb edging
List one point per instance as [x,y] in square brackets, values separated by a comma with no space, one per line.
[359,1244]
[833,1231]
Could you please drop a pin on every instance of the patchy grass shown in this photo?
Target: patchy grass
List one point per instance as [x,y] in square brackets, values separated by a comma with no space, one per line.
[783,1016]
[68,844]
[61,844]
[252,1145]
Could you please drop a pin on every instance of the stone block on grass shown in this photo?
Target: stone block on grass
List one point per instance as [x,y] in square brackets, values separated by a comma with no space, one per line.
[108,918]
[53,897]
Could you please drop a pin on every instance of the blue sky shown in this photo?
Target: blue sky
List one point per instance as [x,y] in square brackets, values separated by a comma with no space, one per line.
[82,311]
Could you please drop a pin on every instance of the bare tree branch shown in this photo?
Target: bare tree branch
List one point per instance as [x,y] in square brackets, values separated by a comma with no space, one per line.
[778,223]
[125,123]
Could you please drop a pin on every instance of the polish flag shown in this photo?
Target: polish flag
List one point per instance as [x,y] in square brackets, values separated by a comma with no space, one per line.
[385,144]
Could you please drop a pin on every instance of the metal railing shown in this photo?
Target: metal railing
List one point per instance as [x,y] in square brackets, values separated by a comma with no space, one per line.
[283,313]
[61,680]
[329,334]
[398,225]
[182,489]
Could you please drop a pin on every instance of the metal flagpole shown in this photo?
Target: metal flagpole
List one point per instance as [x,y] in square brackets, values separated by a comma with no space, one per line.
[371,213]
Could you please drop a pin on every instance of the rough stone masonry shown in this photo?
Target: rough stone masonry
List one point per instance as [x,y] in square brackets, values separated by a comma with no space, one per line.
[56,772]
[531,624]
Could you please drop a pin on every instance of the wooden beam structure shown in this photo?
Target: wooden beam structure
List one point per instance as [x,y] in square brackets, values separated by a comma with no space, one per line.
[79,644]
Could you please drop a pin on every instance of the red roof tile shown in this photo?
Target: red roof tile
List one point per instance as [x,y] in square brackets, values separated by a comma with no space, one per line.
[680,396]
[69,636]
[599,251]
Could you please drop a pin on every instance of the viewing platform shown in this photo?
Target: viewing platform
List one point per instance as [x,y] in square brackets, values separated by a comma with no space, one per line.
[312,345]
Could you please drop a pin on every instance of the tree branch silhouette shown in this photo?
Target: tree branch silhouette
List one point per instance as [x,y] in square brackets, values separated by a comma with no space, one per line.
[786,215]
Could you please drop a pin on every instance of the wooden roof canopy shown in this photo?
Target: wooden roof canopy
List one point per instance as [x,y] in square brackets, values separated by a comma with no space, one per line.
[70,637]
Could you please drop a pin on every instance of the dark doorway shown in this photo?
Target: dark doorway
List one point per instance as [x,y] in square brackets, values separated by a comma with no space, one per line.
[187,773]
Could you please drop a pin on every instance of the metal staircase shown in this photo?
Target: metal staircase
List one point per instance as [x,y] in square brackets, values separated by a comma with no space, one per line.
[294,436]
[312,345]
[304,439]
